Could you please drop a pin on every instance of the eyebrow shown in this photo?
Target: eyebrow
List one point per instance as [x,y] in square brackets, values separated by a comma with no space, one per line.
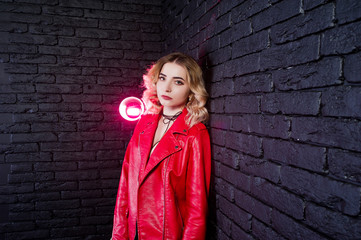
[173,77]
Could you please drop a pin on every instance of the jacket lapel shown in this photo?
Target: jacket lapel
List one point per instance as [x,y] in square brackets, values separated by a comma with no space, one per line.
[167,146]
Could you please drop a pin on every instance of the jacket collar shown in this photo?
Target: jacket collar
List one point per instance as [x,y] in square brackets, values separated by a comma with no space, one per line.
[167,146]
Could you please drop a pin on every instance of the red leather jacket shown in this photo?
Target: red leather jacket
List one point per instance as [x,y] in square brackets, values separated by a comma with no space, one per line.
[167,196]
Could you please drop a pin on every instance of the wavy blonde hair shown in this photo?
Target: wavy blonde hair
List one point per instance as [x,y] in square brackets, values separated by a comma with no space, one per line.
[198,94]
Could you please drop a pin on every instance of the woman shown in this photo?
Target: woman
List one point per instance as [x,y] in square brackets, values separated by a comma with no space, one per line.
[165,176]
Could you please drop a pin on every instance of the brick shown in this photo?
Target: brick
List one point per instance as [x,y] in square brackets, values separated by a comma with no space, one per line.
[50,10]
[253,83]
[26,167]
[274,126]
[243,65]
[91,98]
[77,175]
[59,107]
[59,88]
[82,116]
[275,14]
[327,132]
[242,104]
[259,167]
[310,22]
[7,98]
[309,4]
[263,231]
[60,147]
[332,223]
[253,206]
[247,9]
[222,88]
[13,27]
[60,51]
[324,73]
[225,189]
[91,145]
[100,184]
[80,136]
[277,197]
[122,7]
[33,137]
[235,213]
[56,223]
[223,23]
[351,67]
[235,177]
[32,78]
[219,121]
[19,108]
[226,156]
[52,186]
[20,68]
[36,58]
[71,79]
[334,194]
[39,98]
[250,44]
[51,30]
[289,54]
[305,103]
[347,11]
[244,143]
[291,229]
[82,62]
[28,157]
[81,194]
[17,88]
[74,156]
[35,117]
[341,40]
[33,39]
[342,101]
[239,233]
[18,48]
[56,69]
[241,30]
[221,55]
[96,33]
[294,154]
[38,234]
[81,4]
[78,42]
[344,164]
[101,14]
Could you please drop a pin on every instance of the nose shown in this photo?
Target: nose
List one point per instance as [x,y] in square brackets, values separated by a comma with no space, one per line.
[168,87]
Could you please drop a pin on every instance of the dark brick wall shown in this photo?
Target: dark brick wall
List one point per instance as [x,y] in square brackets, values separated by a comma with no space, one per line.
[64,68]
[285,109]
[285,85]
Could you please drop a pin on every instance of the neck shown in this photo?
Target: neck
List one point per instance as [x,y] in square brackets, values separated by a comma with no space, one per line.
[171,112]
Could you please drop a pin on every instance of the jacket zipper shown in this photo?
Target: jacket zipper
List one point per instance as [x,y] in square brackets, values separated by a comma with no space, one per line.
[164,185]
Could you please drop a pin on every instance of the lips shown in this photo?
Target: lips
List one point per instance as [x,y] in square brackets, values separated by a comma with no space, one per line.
[166,97]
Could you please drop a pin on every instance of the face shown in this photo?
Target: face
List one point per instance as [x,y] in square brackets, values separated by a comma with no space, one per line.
[172,88]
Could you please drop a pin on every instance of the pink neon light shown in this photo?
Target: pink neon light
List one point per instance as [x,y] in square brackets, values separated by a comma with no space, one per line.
[131,108]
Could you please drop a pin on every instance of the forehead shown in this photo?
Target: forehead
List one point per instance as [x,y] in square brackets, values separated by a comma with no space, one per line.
[172,69]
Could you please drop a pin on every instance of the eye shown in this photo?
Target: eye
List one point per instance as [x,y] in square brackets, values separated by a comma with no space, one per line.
[161,78]
[178,82]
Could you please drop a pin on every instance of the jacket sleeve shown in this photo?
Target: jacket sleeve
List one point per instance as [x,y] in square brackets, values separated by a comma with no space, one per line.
[197,187]
[120,222]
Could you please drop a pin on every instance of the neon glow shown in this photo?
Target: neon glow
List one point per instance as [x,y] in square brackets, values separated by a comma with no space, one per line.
[131,108]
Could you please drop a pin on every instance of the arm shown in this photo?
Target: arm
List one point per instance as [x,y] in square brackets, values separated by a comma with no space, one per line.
[197,187]
[120,223]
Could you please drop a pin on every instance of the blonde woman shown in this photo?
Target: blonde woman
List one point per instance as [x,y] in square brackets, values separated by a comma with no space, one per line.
[165,177]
